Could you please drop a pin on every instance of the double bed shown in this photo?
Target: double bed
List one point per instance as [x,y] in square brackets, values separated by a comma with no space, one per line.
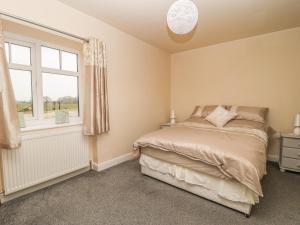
[223,164]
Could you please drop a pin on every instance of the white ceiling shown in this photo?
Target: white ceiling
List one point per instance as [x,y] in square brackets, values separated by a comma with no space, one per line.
[219,20]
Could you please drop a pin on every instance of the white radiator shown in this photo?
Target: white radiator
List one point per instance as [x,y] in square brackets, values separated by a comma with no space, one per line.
[44,157]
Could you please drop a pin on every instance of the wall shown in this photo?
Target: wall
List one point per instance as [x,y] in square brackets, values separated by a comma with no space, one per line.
[262,70]
[27,30]
[258,71]
[138,73]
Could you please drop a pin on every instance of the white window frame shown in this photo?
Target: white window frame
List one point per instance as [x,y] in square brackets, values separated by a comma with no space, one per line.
[37,80]
[30,68]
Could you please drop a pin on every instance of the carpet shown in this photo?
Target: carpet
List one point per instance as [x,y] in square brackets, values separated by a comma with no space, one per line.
[122,195]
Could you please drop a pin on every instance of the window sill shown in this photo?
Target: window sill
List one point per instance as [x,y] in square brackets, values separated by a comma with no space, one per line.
[49,125]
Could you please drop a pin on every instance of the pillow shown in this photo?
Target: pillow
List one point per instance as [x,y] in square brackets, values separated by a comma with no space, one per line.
[220,116]
[257,114]
[204,111]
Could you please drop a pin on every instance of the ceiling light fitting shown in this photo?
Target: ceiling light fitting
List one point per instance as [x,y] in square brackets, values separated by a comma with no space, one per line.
[182,16]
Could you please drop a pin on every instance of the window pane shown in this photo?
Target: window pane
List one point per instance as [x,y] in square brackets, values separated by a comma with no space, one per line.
[60,92]
[68,61]
[21,81]
[6,51]
[50,58]
[20,54]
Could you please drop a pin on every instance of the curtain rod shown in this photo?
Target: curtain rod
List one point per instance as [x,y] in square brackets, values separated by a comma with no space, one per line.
[43,26]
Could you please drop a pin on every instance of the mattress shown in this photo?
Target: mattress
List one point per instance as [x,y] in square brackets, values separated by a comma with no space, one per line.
[238,152]
[230,190]
[183,161]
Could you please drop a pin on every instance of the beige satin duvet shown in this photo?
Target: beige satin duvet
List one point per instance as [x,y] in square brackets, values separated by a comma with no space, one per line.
[238,150]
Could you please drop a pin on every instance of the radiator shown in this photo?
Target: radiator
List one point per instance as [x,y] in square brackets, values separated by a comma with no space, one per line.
[44,157]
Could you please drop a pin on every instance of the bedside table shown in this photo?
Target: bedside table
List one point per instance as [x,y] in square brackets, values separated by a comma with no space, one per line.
[289,153]
[164,125]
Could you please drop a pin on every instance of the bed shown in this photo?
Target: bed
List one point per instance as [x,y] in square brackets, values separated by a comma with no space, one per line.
[222,164]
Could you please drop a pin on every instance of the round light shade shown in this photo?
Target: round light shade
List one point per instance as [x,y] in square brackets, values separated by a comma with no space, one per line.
[182,16]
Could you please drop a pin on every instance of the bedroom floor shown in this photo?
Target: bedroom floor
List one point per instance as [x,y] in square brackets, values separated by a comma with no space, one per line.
[121,195]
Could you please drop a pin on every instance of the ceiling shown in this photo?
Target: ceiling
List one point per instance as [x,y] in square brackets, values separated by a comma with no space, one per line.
[219,20]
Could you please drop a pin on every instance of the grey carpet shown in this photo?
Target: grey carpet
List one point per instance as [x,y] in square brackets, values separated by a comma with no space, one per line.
[121,195]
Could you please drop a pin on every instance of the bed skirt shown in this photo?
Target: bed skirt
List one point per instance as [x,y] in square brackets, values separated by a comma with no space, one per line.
[197,190]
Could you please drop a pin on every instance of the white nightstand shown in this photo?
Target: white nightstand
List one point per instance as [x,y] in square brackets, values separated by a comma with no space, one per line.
[164,125]
[289,153]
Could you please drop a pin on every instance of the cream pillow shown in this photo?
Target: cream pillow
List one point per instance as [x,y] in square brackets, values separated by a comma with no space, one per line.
[220,116]
[257,114]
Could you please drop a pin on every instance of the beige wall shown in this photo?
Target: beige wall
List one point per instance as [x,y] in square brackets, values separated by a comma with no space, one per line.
[138,73]
[26,30]
[262,70]
[258,71]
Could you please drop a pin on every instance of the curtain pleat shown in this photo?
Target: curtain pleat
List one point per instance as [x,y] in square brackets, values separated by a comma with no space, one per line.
[95,111]
[10,135]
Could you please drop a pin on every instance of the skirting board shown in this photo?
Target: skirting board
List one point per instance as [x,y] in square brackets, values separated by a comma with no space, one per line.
[113,162]
[6,198]
[123,158]
[97,167]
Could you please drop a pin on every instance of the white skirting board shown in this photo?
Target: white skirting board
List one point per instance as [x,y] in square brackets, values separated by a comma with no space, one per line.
[113,162]
[6,198]
[97,167]
[126,157]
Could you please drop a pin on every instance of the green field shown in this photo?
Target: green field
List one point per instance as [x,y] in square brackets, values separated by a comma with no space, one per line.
[64,103]
[51,106]
[26,107]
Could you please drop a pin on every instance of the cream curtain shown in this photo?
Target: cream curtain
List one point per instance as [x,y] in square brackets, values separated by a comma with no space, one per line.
[95,115]
[10,136]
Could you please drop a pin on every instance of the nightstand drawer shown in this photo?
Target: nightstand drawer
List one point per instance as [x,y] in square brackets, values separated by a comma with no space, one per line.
[291,152]
[291,142]
[291,163]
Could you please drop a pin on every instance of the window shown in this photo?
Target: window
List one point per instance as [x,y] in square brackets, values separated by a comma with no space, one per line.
[69,61]
[22,85]
[50,58]
[60,81]
[60,92]
[45,78]
[18,56]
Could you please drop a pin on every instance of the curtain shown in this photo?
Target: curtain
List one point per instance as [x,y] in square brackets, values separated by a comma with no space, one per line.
[95,112]
[10,135]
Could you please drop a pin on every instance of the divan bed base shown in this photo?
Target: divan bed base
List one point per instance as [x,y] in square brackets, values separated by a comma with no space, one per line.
[198,190]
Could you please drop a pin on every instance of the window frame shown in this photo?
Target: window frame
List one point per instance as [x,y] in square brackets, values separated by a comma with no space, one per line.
[30,68]
[37,75]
